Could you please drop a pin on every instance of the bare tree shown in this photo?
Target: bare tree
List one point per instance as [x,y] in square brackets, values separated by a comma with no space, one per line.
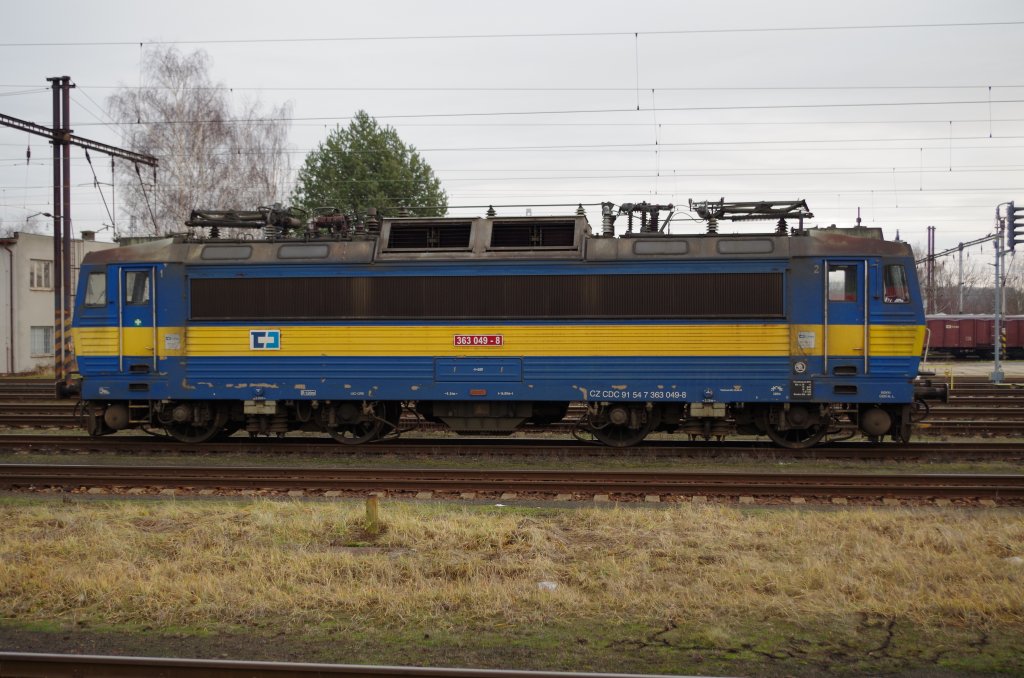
[210,155]
[1013,284]
[30,225]
[977,287]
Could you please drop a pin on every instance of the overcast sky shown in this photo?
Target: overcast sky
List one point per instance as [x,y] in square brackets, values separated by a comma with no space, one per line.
[845,104]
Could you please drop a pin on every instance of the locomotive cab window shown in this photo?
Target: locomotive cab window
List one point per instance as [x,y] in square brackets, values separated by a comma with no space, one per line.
[842,282]
[897,290]
[96,289]
[136,287]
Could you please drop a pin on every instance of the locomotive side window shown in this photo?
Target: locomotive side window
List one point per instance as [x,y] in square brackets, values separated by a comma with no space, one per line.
[302,252]
[842,282]
[136,287]
[96,289]
[897,291]
[227,252]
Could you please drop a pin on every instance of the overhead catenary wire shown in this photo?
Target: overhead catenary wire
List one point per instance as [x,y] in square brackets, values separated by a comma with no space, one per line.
[145,195]
[774,191]
[710,123]
[588,111]
[109,123]
[507,36]
[641,173]
[566,88]
[647,146]
[44,162]
[96,183]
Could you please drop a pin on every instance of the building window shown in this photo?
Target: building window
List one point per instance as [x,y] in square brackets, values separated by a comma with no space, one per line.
[39,277]
[42,340]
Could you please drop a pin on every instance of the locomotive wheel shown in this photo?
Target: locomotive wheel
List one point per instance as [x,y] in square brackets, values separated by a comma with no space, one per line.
[356,434]
[357,429]
[190,432]
[797,438]
[910,415]
[620,435]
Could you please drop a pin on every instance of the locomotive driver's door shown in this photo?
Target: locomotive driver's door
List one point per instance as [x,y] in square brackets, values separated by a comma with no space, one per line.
[137,331]
[846,317]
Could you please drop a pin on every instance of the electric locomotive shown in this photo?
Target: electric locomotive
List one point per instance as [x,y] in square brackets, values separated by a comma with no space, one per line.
[495,324]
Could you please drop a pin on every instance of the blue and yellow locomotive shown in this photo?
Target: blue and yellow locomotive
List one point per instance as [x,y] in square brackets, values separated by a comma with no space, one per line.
[497,323]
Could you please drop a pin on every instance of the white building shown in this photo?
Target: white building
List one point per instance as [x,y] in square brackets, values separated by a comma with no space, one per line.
[26,297]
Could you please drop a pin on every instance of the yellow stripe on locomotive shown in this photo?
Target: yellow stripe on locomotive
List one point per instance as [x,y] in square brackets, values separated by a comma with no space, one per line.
[698,340]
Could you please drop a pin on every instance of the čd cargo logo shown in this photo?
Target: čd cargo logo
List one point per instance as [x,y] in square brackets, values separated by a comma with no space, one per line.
[264,340]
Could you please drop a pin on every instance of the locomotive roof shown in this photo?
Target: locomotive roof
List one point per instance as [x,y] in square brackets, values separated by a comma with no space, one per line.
[475,240]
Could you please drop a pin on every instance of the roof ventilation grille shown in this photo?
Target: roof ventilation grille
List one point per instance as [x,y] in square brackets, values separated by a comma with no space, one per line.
[527,234]
[429,236]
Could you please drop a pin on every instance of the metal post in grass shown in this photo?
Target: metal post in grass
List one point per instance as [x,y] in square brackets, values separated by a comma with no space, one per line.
[372,514]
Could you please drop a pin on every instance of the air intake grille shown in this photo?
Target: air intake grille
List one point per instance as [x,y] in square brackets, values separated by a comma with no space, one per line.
[538,234]
[429,236]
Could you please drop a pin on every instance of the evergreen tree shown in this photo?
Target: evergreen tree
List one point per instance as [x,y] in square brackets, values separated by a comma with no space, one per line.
[368,166]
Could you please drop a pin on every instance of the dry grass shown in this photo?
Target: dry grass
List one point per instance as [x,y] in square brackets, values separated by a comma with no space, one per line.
[211,565]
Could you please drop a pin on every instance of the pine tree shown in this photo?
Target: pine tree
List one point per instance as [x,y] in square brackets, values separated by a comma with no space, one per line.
[367,166]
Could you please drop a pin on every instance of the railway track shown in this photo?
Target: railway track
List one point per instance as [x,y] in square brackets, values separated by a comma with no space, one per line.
[31,665]
[27,388]
[504,447]
[952,419]
[974,408]
[559,484]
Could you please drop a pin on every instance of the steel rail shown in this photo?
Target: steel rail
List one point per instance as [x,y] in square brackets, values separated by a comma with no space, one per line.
[26,420]
[509,447]
[1015,403]
[961,403]
[24,404]
[29,665]
[952,422]
[26,476]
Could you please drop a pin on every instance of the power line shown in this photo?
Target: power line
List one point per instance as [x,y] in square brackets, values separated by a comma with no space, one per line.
[759,147]
[716,192]
[505,36]
[718,147]
[478,114]
[804,123]
[109,122]
[844,192]
[35,90]
[667,173]
[648,175]
[750,123]
[490,88]
[687,144]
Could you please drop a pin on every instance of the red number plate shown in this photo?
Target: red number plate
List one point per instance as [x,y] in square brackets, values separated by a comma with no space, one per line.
[478,340]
